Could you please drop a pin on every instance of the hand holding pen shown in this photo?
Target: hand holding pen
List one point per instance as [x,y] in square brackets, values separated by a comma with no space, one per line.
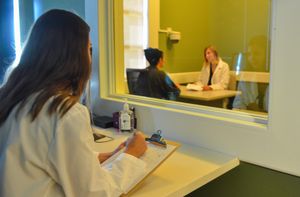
[136,145]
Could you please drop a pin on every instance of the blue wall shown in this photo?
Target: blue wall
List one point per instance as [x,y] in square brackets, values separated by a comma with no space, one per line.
[30,10]
[7,52]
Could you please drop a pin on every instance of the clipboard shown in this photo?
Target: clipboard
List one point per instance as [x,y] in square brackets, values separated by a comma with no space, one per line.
[171,148]
[153,157]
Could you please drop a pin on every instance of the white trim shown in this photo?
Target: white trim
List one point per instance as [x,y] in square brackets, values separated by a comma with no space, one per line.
[259,77]
[247,76]
[237,117]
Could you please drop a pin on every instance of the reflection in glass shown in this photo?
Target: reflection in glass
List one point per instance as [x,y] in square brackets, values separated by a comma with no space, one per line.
[255,92]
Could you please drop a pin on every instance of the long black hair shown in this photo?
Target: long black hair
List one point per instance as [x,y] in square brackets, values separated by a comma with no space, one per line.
[55,62]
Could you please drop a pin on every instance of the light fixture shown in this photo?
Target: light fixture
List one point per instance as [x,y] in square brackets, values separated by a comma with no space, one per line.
[173,36]
[17,31]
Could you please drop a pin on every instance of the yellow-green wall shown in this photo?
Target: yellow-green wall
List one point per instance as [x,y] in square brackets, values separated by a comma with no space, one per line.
[227,24]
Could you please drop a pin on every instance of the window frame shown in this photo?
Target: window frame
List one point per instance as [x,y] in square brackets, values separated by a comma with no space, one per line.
[112,74]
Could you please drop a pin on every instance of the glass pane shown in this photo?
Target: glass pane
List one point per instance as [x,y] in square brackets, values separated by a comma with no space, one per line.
[134,5]
[238,30]
[135,33]
[134,58]
[133,30]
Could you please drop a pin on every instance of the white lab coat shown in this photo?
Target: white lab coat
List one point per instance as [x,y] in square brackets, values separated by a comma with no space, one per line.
[53,157]
[249,95]
[220,78]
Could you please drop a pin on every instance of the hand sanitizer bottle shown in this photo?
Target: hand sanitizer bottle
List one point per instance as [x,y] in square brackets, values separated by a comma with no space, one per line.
[126,119]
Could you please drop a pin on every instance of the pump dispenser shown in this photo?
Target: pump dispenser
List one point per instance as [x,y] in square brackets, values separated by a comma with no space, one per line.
[126,119]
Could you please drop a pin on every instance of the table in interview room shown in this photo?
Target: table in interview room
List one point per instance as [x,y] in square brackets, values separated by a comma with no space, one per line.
[174,177]
[214,98]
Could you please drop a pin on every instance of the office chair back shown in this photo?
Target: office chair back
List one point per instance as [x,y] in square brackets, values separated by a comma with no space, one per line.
[132,75]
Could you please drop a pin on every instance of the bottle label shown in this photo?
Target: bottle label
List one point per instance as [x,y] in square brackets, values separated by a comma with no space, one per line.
[125,122]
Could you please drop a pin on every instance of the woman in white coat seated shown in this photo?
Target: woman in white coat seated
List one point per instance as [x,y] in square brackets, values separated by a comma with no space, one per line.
[45,134]
[215,72]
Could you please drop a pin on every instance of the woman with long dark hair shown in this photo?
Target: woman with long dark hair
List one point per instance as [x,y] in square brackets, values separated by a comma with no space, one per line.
[45,134]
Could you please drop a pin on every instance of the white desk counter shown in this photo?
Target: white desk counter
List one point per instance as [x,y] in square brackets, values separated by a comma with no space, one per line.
[184,171]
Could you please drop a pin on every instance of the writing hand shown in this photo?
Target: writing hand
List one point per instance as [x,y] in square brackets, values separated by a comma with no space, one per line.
[207,88]
[136,145]
[104,156]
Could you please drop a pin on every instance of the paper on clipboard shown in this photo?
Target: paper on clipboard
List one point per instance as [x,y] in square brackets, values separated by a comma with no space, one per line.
[153,157]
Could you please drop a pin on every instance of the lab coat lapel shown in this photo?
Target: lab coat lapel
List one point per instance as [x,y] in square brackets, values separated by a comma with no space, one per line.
[218,69]
[207,70]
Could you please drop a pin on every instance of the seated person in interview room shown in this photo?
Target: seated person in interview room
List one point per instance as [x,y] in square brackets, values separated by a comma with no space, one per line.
[45,134]
[254,95]
[215,72]
[155,82]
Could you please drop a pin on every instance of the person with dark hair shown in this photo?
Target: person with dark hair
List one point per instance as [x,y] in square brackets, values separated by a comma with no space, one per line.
[215,72]
[154,82]
[45,133]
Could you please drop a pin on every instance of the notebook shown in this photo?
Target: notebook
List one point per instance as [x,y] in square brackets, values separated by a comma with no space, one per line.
[153,157]
[195,87]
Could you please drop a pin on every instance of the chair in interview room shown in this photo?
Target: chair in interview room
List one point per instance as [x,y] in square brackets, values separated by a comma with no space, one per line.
[132,75]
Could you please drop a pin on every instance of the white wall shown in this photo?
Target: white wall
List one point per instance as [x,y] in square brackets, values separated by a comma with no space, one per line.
[276,147]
